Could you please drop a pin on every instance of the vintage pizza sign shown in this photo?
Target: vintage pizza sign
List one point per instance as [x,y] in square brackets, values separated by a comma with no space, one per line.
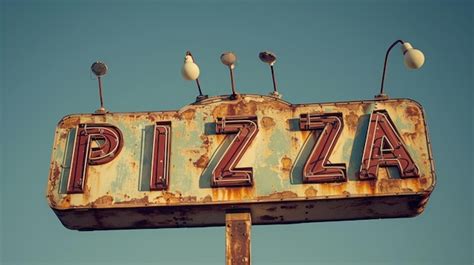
[282,162]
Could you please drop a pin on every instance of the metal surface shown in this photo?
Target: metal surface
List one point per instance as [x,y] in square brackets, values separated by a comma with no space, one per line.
[237,238]
[384,147]
[327,129]
[160,159]
[118,194]
[100,69]
[108,142]
[245,129]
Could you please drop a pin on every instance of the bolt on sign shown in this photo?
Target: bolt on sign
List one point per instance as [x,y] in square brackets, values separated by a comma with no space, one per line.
[281,162]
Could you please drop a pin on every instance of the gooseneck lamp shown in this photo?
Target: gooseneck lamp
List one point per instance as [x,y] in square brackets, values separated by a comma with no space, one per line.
[100,69]
[229,59]
[413,59]
[270,59]
[190,71]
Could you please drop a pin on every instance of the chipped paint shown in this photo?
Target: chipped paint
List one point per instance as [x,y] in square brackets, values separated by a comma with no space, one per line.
[276,155]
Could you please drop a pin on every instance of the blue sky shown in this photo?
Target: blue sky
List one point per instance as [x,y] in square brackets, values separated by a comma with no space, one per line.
[327,51]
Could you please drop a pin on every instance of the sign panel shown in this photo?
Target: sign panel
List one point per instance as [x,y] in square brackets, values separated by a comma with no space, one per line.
[283,162]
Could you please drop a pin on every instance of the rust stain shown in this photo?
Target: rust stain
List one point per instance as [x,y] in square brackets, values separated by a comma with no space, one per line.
[55,172]
[223,198]
[63,135]
[286,163]
[279,195]
[389,185]
[170,197]
[234,193]
[351,107]
[51,200]
[366,108]
[366,187]
[238,238]
[188,114]
[412,111]
[202,161]
[333,188]
[69,122]
[205,141]
[423,181]
[352,120]
[274,105]
[411,136]
[103,201]
[414,135]
[135,201]
[267,123]
[310,192]
[268,218]
[295,140]
[208,198]
[237,107]
[65,201]
[151,117]
[86,194]
[187,199]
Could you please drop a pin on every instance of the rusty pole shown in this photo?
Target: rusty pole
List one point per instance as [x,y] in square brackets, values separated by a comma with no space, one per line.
[237,238]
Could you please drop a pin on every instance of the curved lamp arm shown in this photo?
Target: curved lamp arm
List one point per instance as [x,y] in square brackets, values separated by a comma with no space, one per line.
[382,95]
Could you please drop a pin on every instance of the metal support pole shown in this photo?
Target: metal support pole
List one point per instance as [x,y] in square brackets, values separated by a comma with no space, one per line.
[100,93]
[232,82]
[101,110]
[274,81]
[382,95]
[199,87]
[237,238]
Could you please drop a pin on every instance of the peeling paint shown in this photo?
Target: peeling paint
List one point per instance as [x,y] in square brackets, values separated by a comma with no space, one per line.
[268,123]
[310,192]
[202,161]
[275,156]
[286,163]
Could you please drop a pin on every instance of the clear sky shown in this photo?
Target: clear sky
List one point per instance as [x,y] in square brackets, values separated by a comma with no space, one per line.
[327,51]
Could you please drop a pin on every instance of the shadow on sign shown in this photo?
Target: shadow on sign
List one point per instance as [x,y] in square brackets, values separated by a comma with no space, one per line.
[206,177]
[145,157]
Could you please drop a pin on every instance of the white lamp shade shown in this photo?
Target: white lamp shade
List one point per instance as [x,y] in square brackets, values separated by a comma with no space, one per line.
[190,70]
[413,58]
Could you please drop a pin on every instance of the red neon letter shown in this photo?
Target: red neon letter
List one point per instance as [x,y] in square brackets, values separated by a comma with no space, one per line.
[225,173]
[161,156]
[384,147]
[108,143]
[327,128]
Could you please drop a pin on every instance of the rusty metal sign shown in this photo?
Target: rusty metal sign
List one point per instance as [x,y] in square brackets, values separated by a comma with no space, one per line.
[281,162]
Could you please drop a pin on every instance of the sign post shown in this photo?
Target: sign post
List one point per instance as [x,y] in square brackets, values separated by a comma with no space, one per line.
[237,238]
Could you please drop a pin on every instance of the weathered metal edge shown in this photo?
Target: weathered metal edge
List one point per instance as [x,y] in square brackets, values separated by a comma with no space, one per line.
[211,100]
[415,210]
